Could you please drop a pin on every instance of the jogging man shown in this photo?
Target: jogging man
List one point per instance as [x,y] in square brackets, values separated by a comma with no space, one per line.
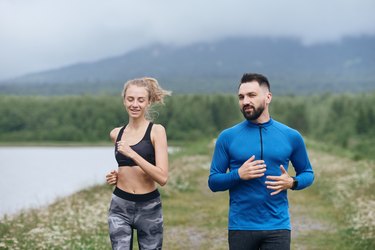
[251,161]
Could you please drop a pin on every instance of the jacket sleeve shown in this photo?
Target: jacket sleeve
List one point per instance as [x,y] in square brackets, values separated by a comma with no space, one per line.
[301,163]
[219,179]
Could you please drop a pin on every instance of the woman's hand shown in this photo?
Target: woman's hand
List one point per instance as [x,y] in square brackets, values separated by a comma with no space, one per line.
[112,177]
[124,148]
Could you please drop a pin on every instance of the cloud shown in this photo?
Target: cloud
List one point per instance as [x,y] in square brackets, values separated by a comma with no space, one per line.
[42,34]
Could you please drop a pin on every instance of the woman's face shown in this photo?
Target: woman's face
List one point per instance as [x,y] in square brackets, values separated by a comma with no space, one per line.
[136,101]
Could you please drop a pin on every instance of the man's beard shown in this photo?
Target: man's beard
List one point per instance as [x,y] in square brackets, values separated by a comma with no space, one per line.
[256,112]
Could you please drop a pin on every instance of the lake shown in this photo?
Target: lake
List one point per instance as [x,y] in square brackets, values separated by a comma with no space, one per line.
[36,176]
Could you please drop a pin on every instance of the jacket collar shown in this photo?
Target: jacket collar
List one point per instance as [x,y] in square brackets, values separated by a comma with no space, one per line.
[265,124]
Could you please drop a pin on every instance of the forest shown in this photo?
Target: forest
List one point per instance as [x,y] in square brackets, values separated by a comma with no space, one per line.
[344,121]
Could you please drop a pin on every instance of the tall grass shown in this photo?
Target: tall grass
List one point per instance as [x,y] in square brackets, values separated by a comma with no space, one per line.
[75,222]
[348,186]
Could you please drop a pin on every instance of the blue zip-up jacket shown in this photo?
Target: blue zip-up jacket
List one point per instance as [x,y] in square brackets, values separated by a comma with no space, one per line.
[251,205]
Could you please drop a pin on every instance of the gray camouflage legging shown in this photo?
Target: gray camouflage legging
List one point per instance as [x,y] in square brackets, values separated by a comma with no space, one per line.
[143,216]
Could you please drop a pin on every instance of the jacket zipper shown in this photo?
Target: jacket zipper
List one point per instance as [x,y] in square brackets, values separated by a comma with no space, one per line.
[261,142]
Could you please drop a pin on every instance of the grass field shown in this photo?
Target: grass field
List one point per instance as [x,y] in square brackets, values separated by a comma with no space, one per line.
[335,213]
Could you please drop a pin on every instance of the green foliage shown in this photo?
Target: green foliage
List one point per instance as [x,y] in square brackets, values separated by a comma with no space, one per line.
[292,111]
[344,120]
[68,118]
[90,118]
[190,117]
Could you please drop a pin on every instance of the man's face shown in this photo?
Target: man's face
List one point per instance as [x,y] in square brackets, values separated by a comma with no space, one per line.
[253,100]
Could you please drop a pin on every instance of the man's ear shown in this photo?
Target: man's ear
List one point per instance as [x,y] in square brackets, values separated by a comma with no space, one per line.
[268,97]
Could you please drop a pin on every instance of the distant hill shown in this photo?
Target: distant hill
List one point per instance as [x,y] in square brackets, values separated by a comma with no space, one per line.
[292,68]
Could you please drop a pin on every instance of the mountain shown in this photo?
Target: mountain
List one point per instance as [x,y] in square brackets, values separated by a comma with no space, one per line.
[216,67]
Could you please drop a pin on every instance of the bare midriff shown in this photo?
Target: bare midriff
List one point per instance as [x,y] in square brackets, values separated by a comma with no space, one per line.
[134,180]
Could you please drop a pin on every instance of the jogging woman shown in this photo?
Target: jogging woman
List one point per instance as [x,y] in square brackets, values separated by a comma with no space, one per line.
[142,156]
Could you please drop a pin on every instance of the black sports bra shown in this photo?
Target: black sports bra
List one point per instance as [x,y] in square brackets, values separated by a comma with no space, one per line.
[144,148]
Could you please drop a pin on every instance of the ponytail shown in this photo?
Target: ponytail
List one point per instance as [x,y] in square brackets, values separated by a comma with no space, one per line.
[156,93]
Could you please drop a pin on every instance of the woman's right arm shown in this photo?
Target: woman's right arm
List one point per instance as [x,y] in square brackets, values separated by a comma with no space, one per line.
[112,176]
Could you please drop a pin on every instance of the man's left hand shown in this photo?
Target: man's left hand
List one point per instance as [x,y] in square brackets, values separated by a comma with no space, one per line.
[279,183]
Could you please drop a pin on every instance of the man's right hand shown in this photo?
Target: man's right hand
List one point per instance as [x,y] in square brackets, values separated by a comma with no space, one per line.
[112,177]
[252,169]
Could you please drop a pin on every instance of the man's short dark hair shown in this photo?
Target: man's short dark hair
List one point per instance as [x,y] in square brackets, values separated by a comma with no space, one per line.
[261,79]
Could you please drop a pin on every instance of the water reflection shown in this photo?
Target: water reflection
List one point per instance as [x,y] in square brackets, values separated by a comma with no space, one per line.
[35,176]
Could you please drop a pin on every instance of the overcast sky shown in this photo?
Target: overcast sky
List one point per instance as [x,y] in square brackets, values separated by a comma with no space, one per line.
[37,35]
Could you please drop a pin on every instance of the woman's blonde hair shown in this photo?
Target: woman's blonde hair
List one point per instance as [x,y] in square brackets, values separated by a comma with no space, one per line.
[155,93]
